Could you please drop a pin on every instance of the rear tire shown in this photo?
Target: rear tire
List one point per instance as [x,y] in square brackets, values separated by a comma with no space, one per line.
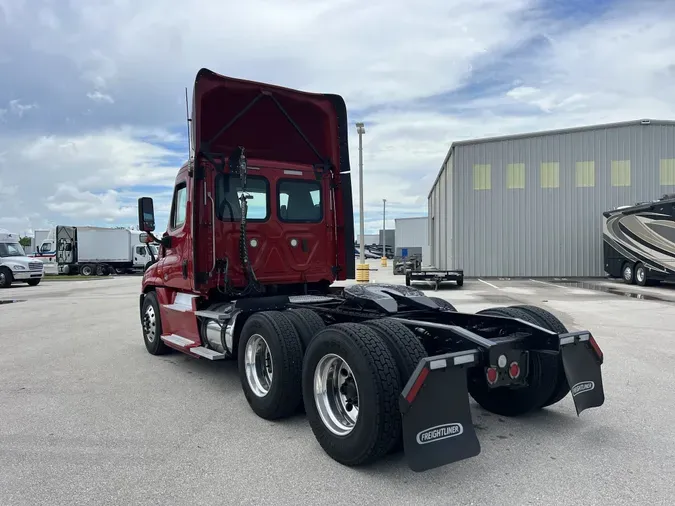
[87,270]
[404,346]
[542,376]
[627,273]
[306,322]
[549,321]
[460,282]
[641,275]
[270,365]
[371,379]
[443,303]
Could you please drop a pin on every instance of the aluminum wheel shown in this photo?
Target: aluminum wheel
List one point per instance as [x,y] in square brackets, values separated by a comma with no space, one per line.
[259,367]
[627,273]
[336,394]
[640,274]
[150,324]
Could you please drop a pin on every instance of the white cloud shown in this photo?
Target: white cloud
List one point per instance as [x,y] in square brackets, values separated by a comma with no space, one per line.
[382,56]
[97,96]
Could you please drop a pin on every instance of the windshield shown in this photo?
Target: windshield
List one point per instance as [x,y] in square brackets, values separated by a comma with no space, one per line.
[11,249]
[154,249]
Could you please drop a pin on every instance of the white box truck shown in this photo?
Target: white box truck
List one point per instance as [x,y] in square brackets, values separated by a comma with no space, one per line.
[99,250]
[15,266]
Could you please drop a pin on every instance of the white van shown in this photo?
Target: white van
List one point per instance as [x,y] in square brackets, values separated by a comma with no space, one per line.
[15,265]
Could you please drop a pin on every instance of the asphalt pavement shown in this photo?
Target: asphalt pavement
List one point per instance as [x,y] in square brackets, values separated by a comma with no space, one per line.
[87,416]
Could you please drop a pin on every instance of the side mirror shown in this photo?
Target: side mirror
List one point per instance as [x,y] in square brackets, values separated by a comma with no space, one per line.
[146,214]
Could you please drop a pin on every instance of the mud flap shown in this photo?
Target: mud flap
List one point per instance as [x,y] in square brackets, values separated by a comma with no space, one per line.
[437,424]
[582,360]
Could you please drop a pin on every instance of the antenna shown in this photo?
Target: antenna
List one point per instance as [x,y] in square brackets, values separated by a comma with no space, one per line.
[187,117]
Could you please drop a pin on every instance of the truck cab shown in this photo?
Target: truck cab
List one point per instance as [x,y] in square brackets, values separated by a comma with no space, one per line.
[263,206]
[15,266]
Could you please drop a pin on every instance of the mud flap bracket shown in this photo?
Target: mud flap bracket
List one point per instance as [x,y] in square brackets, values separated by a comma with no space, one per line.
[437,424]
[582,360]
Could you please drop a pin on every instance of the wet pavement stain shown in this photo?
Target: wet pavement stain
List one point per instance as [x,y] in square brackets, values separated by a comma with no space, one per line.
[599,287]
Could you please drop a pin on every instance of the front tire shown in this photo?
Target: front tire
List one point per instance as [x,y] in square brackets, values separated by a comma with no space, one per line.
[151,323]
[33,282]
[6,277]
[270,365]
[350,388]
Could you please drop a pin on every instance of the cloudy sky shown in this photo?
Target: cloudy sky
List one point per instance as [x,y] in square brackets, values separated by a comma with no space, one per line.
[92,111]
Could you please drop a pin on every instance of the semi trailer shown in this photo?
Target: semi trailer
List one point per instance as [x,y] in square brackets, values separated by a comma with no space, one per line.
[639,241]
[98,250]
[261,229]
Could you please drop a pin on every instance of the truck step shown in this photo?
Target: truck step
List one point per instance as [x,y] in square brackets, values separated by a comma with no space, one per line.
[207,353]
[177,340]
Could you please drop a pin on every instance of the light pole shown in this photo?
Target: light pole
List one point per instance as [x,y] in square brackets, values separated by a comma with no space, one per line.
[384,233]
[362,272]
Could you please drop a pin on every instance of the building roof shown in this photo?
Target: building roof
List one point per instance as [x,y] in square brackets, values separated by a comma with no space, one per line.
[544,133]
[411,218]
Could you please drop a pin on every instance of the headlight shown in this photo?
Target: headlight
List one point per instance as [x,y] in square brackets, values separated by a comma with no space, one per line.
[18,268]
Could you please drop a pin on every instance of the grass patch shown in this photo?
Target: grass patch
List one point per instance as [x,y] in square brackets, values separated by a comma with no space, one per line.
[72,277]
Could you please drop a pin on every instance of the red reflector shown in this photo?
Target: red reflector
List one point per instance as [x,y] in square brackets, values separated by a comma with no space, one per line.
[417,385]
[514,370]
[596,348]
[491,375]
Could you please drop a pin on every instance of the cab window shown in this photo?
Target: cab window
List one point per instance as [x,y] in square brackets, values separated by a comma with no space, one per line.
[228,192]
[179,206]
[300,201]
[140,250]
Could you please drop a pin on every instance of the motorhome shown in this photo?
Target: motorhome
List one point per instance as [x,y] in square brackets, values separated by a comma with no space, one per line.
[639,241]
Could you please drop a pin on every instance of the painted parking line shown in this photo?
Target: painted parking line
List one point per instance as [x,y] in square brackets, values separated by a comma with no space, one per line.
[489,284]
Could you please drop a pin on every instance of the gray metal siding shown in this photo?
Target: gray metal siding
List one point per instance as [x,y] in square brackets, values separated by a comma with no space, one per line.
[542,231]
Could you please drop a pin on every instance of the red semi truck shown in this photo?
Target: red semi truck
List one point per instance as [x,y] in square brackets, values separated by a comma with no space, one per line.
[261,226]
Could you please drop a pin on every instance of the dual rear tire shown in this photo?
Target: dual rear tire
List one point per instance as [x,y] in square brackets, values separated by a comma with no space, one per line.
[547,383]
[348,379]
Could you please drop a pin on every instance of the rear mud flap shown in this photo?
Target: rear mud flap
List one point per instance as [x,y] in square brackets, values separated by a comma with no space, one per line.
[437,424]
[582,360]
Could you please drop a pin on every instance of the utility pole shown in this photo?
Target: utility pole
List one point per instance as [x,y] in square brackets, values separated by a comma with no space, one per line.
[362,270]
[384,233]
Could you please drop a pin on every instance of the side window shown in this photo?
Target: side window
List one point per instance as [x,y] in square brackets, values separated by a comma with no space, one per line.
[140,250]
[179,206]
[300,201]
[228,192]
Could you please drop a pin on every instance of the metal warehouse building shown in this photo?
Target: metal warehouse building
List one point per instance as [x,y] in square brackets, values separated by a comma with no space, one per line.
[531,205]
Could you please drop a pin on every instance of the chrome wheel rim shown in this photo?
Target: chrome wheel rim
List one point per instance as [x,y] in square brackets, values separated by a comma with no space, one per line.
[336,394]
[259,366]
[150,324]
[640,273]
[627,273]
[3,278]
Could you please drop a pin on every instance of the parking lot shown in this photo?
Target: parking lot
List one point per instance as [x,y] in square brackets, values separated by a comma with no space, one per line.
[89,417]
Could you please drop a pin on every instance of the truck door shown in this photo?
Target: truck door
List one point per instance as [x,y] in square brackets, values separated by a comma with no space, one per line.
[141,256]
[174,262]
